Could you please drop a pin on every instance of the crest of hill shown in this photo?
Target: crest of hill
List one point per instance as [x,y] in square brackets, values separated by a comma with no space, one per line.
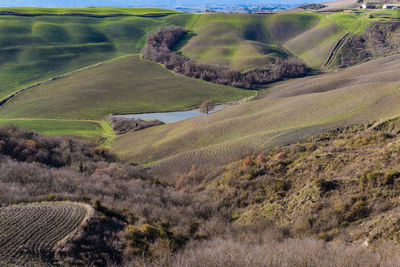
[89,10]
[289,112]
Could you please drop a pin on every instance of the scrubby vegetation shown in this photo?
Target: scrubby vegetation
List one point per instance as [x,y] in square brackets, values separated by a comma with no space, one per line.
[380,39]
[160,48]
[313,6]
[335,186]
[122,125]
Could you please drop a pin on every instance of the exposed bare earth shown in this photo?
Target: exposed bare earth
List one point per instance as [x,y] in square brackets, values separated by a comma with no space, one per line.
[339,4]
[29,233]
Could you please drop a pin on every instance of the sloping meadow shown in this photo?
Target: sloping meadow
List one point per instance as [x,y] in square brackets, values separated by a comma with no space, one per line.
[289,112]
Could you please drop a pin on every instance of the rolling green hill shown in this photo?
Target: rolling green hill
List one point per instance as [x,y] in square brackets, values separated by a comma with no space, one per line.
[237,41]
[126,85]
[34,49]
[288,112]
[315,44]
[243,41]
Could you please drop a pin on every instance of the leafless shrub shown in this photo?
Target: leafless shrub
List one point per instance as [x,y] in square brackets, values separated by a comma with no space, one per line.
[124,125]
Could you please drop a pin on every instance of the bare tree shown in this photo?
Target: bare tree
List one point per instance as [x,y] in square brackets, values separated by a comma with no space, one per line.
[206,106]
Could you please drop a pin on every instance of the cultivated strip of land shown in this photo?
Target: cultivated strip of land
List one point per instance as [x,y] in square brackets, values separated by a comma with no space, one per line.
[30,233]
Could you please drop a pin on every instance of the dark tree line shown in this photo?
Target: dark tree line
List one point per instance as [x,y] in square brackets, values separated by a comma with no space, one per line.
[160,48]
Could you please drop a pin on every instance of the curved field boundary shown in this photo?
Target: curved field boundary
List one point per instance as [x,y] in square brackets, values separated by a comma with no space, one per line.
[336,48]
[31,233]
[149,15]
[5,100]
[16,93]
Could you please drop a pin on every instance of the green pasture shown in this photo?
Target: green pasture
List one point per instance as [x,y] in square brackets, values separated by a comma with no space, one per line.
[126,85]
[91,129]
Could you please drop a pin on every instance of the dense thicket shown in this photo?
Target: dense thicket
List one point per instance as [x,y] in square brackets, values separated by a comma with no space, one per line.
[160,48]
[52,151]
[133,208]
[380,39]
[122,125]
[244,214]
[312,6]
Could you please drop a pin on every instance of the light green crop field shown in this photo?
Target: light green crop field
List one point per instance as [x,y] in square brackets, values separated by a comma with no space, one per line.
[90,10]
[355,23]
[126,85]
[33,49]
[289,112]
[90,129]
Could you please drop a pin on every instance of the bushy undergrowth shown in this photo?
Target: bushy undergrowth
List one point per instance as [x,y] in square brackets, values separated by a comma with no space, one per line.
[121,191]
[51,151]
[380,39]
[160,48]
[124,125]
[279,208]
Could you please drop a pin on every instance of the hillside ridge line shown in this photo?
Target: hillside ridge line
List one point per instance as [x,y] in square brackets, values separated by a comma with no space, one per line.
[149,15]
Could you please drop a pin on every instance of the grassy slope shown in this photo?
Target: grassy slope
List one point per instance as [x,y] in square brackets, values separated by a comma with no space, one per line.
[290,112]
[38,48]
[91,129]
[125,85]
[239,41]
[315,44]
[285,184]
[35,49]
[243,41]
